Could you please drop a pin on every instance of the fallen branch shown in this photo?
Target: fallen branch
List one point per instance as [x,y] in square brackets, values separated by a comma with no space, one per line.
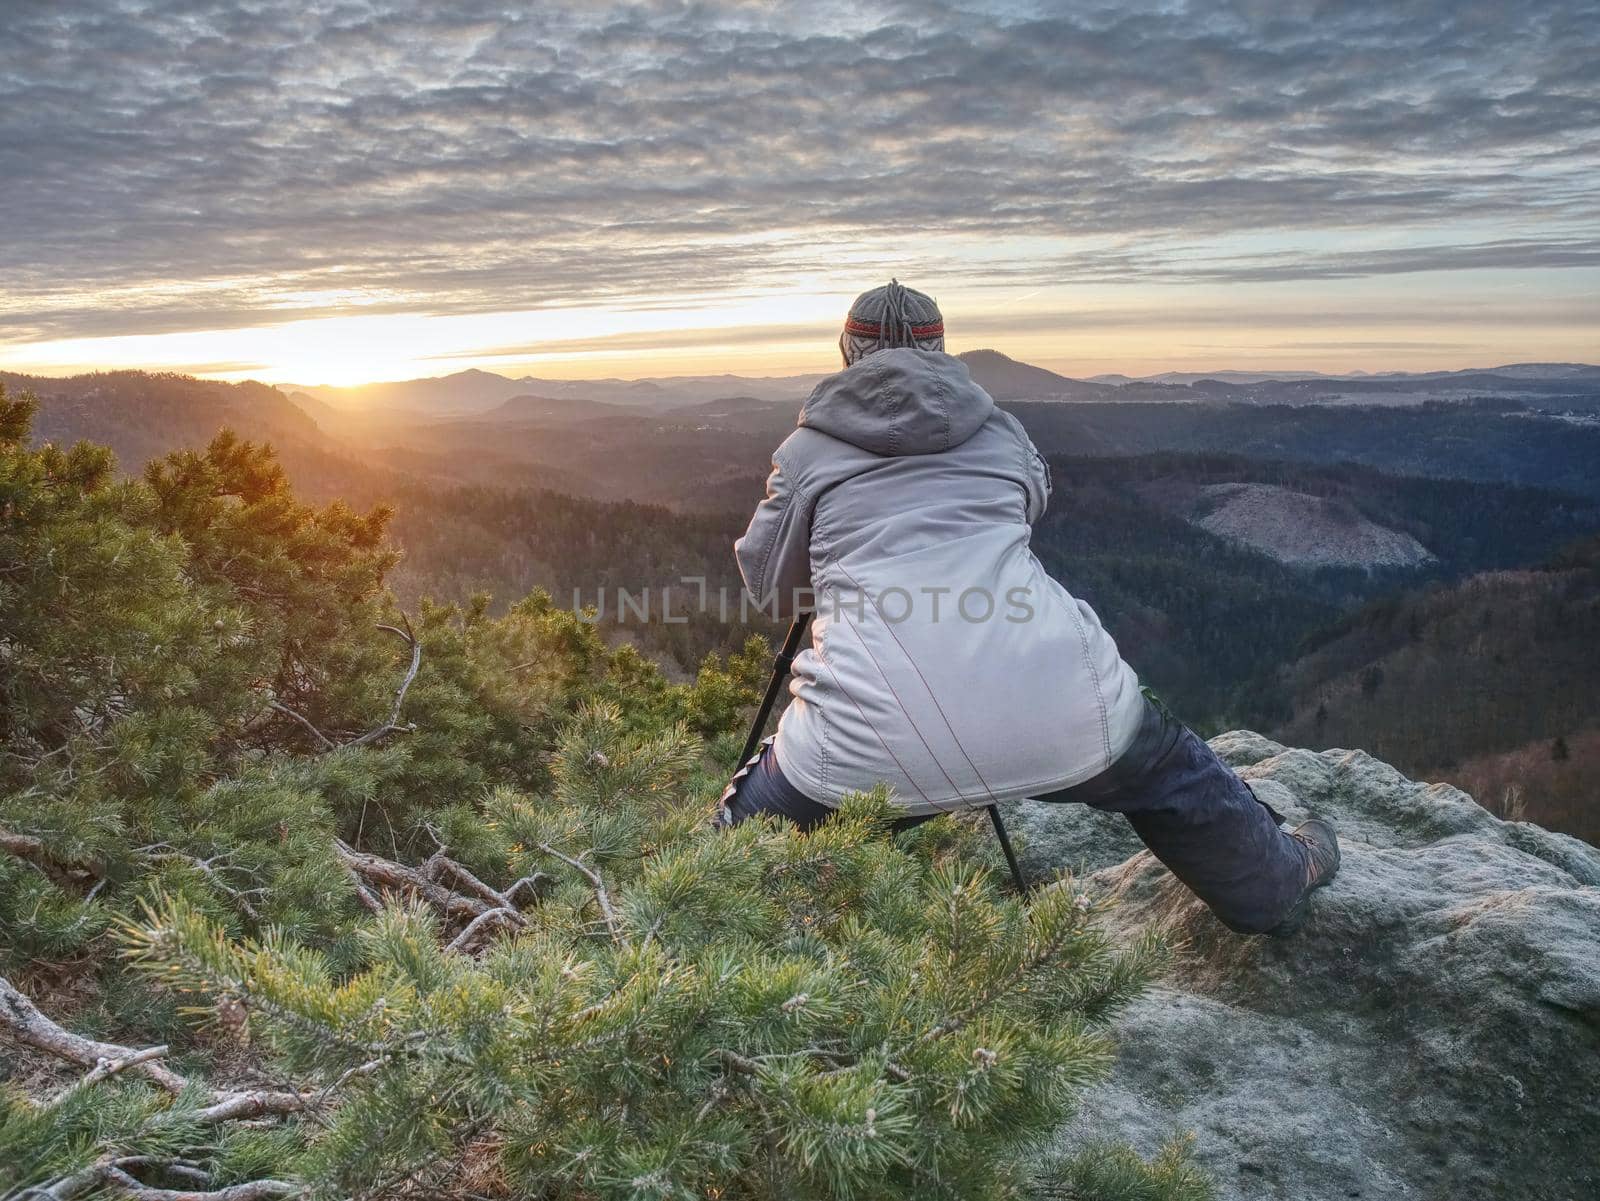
[495,917]
[112,1175]
[397,877]
[531,883]
[107,1068]
[28,1026]
[365,895]
[32,1029]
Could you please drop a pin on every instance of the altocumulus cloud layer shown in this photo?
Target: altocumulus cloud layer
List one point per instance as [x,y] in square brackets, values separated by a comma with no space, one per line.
[179,163]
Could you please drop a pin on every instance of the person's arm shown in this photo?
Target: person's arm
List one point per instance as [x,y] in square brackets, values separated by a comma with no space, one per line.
[775,553]
[1035,471]
[1038,482]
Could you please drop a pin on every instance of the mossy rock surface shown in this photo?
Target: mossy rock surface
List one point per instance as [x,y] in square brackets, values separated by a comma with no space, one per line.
[1433,1031]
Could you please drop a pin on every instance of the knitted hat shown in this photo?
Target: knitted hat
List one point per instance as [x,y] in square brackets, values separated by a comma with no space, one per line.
[892,315]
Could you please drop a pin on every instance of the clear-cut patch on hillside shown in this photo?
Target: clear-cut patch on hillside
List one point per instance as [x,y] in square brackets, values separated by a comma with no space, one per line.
[1433,1031]
[1303,530]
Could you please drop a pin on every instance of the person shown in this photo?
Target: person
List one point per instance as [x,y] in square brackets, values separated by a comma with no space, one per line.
[945,662]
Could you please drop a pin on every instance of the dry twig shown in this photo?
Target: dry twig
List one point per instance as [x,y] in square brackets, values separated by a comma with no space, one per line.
[22,1019]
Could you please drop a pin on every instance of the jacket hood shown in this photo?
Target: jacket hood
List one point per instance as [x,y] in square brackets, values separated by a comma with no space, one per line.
[899,402]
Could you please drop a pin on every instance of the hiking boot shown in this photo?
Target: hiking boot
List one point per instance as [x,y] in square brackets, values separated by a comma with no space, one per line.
[1322,864]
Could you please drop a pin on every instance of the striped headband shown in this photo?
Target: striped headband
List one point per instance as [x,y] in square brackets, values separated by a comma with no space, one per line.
[874,329]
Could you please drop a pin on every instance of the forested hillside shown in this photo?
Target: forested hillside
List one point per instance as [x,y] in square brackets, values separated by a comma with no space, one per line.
[306,893]
[1494,440]
[1489,684]
[141,415]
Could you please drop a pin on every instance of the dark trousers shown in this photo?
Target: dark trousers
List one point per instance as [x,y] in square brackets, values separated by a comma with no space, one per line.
[1196,816]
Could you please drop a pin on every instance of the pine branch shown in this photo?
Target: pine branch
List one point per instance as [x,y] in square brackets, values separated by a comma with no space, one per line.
[1000,986]
[328,744]
[393,726]
[595,882]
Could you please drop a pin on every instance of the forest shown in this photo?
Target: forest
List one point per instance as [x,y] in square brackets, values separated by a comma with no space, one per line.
[1488,684]
[305,892]
[581,498]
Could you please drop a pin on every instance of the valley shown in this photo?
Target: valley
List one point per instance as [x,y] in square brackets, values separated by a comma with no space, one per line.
[1224,533]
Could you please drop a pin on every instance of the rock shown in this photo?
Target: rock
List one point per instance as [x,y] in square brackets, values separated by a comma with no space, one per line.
[1055,838]
[1432,1032]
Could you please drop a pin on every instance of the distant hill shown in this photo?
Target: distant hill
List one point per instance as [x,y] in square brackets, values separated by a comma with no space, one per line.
[141,414]
[1530,371]
[1005,378]
[481,391]
[1199,615]
[1228,377]
[1563,385]
[1491,441]
[462,392]
[544,410]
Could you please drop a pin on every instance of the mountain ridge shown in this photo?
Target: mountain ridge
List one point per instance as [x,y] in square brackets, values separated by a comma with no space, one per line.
[1004,377]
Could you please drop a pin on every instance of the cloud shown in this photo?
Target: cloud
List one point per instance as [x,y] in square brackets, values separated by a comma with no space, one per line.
[173,163]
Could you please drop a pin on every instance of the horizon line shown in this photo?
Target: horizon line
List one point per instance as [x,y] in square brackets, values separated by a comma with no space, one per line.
[234,374]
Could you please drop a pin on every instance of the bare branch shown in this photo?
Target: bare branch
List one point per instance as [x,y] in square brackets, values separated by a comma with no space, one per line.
[595,882]
[33,1029]
[735,1062]
[393,726]
[363,894]
[328,744]
[107,1068]
[386,873]
[530,883]
[205,868]
[111,1174]
[390,726]
[474,928]
[501,900]
[258,1103]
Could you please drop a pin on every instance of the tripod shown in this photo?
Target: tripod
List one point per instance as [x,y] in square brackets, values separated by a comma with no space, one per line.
[780,672]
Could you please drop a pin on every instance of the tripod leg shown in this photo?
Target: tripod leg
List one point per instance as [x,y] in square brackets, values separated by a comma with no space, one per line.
[1010,852]
[780,670]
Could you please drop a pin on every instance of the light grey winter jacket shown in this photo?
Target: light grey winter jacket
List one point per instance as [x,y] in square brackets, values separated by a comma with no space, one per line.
[943,660]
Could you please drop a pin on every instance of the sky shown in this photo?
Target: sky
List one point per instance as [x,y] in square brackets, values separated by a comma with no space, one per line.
[338,191]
